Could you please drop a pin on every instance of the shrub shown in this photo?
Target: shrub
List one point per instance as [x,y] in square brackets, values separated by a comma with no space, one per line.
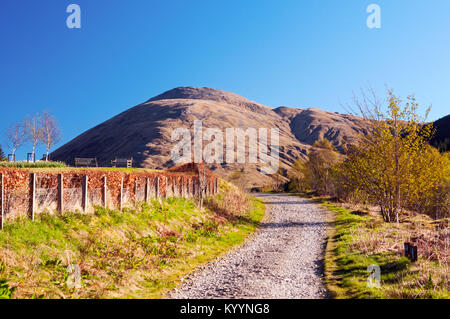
[232,202]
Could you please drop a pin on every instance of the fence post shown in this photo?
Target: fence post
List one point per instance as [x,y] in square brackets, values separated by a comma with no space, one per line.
[184,187]
[121,194]
[135,191]
[105,192]
[85,193]
[33,194]
[2,207]
[196,187]
[60,206]
[157,187]
[188,188]
[147,189]
[166,194]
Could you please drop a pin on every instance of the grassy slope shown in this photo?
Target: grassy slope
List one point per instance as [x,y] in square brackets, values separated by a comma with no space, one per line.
[131,254]
[349,253]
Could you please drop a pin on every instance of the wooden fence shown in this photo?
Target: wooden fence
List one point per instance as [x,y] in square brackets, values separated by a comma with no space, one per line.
[82,191]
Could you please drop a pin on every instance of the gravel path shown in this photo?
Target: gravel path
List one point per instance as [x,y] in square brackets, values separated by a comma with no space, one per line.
[283,259]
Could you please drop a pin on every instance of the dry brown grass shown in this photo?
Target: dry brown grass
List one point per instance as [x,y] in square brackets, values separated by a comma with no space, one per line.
[232,202]
[360,238]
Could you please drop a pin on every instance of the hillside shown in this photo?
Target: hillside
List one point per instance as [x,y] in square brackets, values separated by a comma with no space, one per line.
[144,131]
[441,138]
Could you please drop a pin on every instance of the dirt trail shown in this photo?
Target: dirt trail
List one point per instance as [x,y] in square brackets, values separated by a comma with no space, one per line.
[283,259]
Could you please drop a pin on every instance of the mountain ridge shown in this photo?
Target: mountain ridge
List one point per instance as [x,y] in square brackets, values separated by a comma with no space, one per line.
[144,131]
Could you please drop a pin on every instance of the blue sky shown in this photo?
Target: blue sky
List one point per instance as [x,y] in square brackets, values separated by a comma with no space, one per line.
[294,53]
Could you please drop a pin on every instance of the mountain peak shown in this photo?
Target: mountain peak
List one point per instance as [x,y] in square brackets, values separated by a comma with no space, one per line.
[209,94]
[190,92]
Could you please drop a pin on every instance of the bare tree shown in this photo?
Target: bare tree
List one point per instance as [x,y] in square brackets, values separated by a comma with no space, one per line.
[51,133]
[33,131]
[16,136]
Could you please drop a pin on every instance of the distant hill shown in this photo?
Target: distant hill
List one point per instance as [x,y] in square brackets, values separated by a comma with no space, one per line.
[144,131]
[441,138]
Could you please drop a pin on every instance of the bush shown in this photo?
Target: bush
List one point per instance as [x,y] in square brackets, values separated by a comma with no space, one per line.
[231,202]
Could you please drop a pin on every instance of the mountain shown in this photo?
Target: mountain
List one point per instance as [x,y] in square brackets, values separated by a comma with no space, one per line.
[441,138]
[144,131]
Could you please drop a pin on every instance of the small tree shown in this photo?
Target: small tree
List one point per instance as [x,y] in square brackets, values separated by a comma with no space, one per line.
[387,162]
[316,172]
[297,176]
[33,130]
[16,136]
[50,134]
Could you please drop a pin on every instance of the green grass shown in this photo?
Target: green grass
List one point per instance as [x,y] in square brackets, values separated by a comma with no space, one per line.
[49,167]
[39,164]
[346,266]
[136,253]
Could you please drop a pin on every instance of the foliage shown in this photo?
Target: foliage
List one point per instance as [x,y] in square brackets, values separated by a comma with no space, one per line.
[6,292]
[315,173]
[393,164]
[231,202]
[237,177]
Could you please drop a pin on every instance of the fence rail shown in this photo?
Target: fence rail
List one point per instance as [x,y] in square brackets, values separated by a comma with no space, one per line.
[26,194]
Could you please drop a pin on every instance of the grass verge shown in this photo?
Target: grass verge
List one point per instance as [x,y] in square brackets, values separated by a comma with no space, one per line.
[36,165]
[136,253]
[360,239]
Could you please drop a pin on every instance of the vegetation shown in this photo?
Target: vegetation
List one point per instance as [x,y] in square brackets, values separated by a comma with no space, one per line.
[317,172]
[443,146]
[50,132]
[441,138]
[237,177]
[16,136]
[392,165]
[36,129]
[360,239]
[395,188]
[139,253]
[39,164]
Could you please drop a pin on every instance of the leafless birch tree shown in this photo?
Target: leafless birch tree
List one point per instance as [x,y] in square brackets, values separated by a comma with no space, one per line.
[16,136]
[50,132]
[33,131]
